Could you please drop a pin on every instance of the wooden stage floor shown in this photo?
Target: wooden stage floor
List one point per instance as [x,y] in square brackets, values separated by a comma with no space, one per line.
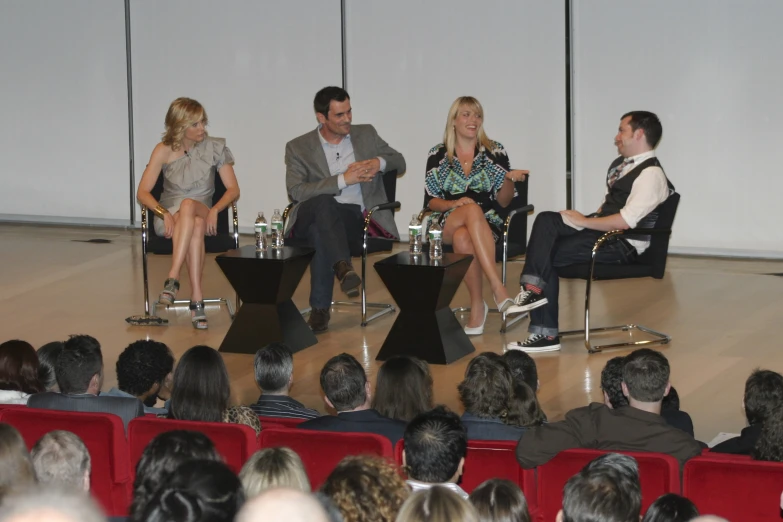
[724,316]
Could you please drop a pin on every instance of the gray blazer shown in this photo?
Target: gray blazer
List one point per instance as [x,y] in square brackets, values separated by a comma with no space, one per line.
[307,172]
[125,408]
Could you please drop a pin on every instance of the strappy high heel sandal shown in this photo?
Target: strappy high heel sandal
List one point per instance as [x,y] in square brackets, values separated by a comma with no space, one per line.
[198,316]
[169,293]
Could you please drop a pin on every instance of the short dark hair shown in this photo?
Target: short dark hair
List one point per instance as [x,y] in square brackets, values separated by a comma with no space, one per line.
[435,442]
[487,387]
[523,408]
[19,367]
[403,388]
[523,367]
[325,96]
[649,123]
[500,500]
[646,374]
[624,465]
[671,507]
[671,400]
[201,386]
[274,365]
[143,364]
[343,381]
[80,359]
[47,359]
[600,494]
[612,382]
[163,455]
[763,393]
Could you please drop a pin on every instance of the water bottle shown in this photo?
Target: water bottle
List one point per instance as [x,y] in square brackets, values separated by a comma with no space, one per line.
[260,228]
[277,230]
[436,241]
[414,232]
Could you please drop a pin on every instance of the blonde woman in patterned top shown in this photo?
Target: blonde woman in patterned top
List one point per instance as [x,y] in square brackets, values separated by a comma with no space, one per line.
[468,180]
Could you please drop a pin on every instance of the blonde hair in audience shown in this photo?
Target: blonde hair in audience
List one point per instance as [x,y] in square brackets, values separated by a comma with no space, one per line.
[437,504]
[450,135]
[16,468]
[273,468]
[182,113]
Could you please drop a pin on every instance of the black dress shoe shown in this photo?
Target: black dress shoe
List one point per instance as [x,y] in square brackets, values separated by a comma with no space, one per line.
[319,319]
[349,279]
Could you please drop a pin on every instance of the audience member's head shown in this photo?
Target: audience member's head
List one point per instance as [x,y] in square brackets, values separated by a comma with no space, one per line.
[769,445]
[274,369]
[290,505]
[763,394]
[161,457]
[345,384]
[523,368]
[47,359]
[19,367]
[273,468]
[524,408]
[437,504]
[624,465]
[201,387]
[197,491]
[487,388]
[79,367]
[403,388]
[49,504]
[16,469]
[645,377]
[500,500]
[142,368]
[61,459]
[366,489]
[612,383]
[435,446]
[671,508]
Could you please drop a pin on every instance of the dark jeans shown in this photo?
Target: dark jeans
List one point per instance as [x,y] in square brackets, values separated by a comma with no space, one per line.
[552,244]
[333,229]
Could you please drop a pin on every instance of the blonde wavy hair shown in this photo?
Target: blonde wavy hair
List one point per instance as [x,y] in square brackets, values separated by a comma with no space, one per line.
[450,135]
[182,113]
[273,468]
[437,504]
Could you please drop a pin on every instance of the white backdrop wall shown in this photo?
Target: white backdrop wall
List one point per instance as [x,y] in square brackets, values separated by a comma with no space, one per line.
[713,71]
[64,101]
[255,66]
[408,60]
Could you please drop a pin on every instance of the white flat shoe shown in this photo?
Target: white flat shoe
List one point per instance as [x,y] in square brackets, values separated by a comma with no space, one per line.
[478,330]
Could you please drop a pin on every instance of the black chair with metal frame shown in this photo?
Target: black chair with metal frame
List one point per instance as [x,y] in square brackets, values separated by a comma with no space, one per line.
[651,263]
[369,245]
[514,241]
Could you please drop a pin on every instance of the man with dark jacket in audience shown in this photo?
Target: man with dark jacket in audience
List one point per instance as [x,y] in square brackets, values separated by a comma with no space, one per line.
[347,390]
[144,372]
[638,427]
[274,369]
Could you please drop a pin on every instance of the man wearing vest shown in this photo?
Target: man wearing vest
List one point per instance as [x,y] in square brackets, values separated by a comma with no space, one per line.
[635,186]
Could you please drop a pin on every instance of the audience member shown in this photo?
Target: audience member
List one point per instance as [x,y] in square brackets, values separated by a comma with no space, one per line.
[763,394]
[61,459]
[638,427]
[500,500]
[403,388]
[769,446]
[48,504]
[600,494]
[19,372]
[161,457]
[47,359]
[197,491]
[671,508]
[202,391]
[524,408]
[79,371]
[290,505]
[625,466]
[347,390]
[144,372]
[274,369]
[273,468]
[486,393]
[437,504]
[434,452]
[16,469]
[523,368]
[366,489]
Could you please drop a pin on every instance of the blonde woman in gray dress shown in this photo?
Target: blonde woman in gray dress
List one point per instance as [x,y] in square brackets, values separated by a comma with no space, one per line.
[188,160]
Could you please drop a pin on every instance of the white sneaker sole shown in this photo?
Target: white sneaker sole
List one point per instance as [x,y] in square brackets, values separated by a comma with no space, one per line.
[532,349]
[518,309]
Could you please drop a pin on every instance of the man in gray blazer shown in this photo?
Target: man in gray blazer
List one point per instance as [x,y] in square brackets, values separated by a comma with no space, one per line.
[333,174]
[79,370]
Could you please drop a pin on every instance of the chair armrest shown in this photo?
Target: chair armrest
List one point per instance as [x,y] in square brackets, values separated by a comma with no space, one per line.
[633,231]
[392,205]
[235,223]
[527,209]
[287,210]
[424,212]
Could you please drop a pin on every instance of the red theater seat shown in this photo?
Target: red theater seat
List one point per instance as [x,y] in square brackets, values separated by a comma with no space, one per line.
[658,473]
[734,487]
[104,436]
[321,451]
[279,422]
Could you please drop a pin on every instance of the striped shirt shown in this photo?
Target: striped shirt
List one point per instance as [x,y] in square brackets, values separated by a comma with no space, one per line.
[282,406]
